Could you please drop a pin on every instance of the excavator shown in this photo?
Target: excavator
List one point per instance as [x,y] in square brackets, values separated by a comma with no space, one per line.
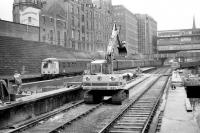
[100,80]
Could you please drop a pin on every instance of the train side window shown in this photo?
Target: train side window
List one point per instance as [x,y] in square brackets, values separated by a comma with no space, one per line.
[68,64]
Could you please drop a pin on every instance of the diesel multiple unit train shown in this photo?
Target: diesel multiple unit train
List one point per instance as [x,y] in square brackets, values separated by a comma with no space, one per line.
[51,67]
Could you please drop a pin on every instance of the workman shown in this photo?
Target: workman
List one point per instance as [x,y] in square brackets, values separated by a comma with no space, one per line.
[18,81]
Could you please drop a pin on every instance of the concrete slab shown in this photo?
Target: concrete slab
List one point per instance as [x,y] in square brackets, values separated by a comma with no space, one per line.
[35,97]
[28,107]
[176,119]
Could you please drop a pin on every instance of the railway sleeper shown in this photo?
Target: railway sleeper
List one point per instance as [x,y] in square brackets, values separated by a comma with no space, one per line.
[136,115]
[127,127]
[123,131]
[137,120]
[130,123]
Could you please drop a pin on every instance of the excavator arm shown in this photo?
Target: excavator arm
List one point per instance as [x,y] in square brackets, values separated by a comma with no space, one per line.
[115,41]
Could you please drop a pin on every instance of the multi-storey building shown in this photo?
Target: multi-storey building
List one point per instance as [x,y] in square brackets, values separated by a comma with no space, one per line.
[128,27]
[172,41]
[76,24]
[102,23]
[147,32]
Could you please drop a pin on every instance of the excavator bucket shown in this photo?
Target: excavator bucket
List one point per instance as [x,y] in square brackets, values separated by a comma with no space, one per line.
[122,51]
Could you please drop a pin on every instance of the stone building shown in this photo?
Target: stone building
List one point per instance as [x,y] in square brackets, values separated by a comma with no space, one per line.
[76,24]
[128,27]
[103,22]
[147,33]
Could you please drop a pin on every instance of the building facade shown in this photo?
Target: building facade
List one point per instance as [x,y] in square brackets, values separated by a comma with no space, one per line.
[103,23]
[128,27]
[27,11]
[76,24]
[172,41]
[147,33]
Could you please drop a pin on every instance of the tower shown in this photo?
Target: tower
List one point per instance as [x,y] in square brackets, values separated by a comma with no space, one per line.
[194,25]
[21,5]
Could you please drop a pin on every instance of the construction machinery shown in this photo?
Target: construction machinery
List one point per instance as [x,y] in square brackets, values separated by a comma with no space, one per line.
[100,80]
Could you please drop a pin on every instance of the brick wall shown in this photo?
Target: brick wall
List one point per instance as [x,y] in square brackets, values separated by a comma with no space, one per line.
[19,30]
[21,55]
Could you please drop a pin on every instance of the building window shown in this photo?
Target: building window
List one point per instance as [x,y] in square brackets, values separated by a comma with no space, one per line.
[79,46]
[51,36]
[44,38]
[87,13]
[83,46]
[83,18]
[72,10]
[51,19]
[78,10]
[65,39]
[87,24]
[73,34]
[82,7]
[79,35]
[73,21]
[91,14]
[29,19]
[91,47]
[65,25]
[87,36]
[88,46]
[43,17]
[79,23]
[83,29]
[73,45]
[58,36]
[83,38]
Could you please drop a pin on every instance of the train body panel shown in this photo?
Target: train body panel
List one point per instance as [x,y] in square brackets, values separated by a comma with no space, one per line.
[53,66]
[63,66]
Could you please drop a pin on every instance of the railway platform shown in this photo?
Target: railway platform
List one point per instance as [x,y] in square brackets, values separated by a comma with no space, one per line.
[176,119]
[24,76]
[31,106]
[34,105]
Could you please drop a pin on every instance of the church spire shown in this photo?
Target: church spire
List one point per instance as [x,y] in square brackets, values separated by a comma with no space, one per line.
[194,25]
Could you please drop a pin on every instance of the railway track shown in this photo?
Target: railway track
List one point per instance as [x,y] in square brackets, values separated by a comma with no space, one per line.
[38,125]
[61,121]
[137,116]
[33,122]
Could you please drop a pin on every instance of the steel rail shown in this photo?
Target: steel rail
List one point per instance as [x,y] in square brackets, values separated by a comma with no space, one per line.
[35,121]
[62,126]
[155,107]
[109,125]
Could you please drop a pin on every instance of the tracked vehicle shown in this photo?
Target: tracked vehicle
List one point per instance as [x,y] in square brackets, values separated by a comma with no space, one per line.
[100,81]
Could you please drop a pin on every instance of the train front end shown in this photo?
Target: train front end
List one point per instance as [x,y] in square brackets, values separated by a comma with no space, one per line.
[49,67]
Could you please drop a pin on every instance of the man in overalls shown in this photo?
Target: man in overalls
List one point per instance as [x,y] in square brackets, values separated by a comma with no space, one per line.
[18,81]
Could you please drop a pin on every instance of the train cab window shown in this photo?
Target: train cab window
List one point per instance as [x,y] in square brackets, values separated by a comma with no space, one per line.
[99,68]
[96,68]
[45,65]
[105,69]
[64,65]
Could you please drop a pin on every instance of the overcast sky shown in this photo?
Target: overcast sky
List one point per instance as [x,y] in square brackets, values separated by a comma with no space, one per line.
[169,14]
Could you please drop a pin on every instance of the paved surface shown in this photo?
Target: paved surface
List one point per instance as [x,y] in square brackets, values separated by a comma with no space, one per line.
[35,97]
[176,119]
